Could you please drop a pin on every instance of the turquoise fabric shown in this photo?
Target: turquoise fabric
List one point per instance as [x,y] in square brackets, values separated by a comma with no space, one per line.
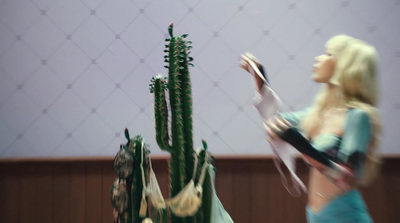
[346,208]
[356,138]
[349,148]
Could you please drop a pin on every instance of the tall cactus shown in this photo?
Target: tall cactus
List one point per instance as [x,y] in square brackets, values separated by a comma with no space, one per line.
[180,143]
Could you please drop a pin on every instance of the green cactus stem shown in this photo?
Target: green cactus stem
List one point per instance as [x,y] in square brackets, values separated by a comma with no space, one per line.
[135,149]
[138,146]
[179,141]
[205,209]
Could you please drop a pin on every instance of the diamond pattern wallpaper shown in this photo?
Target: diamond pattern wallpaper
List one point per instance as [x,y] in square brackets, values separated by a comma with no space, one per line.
[74,74]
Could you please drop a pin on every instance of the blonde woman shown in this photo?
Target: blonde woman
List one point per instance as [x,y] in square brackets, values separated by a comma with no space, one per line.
[339,133]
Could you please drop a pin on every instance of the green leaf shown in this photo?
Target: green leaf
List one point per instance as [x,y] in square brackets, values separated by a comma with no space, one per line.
[126,132]
[170,29]
[204,144]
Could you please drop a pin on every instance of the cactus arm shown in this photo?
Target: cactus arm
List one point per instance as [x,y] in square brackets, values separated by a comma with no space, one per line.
[204,213]
[177,173]
[136,193]
[161,113]
[186,94]
[176,161]
[137,183]
[207,193]
[187,118]
[206,199]
[174,86]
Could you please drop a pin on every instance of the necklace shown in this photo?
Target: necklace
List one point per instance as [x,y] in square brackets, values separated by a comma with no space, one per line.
[332,111]
[323,195]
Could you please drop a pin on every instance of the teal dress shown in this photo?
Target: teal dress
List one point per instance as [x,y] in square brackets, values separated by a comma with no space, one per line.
[347,149]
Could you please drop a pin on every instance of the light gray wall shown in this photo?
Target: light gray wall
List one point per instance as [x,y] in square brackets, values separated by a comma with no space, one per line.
[74,74]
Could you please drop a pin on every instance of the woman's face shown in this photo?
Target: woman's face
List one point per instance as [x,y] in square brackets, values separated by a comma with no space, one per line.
[324,67]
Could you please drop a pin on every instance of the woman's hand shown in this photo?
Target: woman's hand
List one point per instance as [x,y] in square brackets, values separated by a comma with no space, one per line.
[245,64]
[275,127]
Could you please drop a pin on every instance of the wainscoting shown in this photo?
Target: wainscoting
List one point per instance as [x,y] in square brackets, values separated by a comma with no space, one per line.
[77,190]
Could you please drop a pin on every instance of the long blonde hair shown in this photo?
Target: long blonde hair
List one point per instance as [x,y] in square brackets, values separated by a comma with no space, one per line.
[354,86]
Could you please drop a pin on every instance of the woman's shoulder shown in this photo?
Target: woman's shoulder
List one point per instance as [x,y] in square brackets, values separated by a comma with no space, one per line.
[360,113]
[357,117]
[360,109]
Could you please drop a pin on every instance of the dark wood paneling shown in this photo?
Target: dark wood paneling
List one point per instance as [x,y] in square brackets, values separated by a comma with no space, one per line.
[259,185]
[77,193]
[28,197]
[61,192]
[384,195]
[108,179]
[250,188]
[44,192]
[9,194]
[224,184]
[94,195]
[241,189]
